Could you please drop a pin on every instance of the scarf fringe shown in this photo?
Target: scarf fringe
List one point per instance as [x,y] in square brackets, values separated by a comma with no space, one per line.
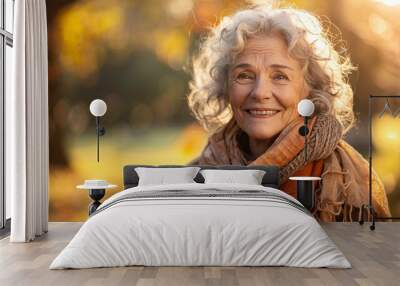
[340,207]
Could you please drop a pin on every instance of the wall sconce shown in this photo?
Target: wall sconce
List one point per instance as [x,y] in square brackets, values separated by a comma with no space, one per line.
[306,109]
[98,108]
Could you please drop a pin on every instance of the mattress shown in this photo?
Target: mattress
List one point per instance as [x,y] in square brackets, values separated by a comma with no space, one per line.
[201,225]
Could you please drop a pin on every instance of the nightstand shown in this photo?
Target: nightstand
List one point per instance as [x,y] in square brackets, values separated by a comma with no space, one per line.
[305,190]
[97,190]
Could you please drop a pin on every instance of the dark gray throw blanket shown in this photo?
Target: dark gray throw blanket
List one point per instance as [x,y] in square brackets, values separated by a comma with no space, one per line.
[206,194]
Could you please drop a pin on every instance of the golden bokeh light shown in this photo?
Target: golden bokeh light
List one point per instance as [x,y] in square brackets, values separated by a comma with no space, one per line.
[389,2]
[386,133]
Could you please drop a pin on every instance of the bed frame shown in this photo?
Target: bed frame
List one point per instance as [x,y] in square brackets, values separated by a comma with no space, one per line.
[270,179]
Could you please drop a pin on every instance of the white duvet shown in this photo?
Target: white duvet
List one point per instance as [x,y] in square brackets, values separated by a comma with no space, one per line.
[183,231]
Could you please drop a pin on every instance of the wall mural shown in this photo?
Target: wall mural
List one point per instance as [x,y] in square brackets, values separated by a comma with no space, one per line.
[136,55]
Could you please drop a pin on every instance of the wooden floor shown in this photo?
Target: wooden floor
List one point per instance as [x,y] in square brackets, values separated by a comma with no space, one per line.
[375,256]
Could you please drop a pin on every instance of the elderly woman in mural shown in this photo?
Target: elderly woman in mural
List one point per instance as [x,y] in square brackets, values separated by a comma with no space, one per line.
[250,74]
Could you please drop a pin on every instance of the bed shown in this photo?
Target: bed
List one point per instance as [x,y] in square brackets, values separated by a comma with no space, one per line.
[201,224]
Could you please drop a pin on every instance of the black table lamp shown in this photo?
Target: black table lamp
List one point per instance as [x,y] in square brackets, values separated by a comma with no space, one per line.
[98,108]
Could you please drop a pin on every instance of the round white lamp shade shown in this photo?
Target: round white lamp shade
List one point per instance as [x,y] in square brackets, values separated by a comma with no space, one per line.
[98,107]
[305,107]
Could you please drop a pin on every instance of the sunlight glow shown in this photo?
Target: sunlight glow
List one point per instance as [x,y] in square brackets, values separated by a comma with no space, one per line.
[387,131]
[391,135]
[179,8]
[377,24]
[389,2]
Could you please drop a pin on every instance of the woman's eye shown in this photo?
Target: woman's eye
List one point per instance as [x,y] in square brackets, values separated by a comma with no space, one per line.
[245,77]
[281,77]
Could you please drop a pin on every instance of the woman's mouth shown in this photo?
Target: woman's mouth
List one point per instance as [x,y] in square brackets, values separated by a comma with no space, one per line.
[262,113]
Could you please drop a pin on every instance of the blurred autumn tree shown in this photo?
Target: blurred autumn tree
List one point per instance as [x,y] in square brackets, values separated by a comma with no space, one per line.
[57,150]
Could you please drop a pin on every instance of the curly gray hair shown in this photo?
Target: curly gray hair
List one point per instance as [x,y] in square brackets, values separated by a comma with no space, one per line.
[325,70]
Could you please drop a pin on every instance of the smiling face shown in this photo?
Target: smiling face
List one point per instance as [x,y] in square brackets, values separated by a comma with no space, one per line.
[265,86]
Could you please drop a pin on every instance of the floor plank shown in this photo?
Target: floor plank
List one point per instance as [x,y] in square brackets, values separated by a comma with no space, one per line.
[374,255]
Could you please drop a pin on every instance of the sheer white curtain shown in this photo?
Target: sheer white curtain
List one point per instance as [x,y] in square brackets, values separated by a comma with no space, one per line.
[27,144]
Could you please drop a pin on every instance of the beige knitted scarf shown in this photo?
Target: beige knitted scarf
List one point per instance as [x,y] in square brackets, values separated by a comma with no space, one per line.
[345,174]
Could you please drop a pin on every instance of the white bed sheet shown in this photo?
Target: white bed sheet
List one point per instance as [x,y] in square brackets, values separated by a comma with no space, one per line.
[200,231]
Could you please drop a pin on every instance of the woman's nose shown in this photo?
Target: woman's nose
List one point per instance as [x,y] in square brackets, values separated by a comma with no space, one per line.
[262,89]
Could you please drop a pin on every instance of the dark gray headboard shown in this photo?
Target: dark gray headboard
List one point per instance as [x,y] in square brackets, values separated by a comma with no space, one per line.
[271,177]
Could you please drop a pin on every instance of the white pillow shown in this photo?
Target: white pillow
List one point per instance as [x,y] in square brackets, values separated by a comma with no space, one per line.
[249,177]
[162,176]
